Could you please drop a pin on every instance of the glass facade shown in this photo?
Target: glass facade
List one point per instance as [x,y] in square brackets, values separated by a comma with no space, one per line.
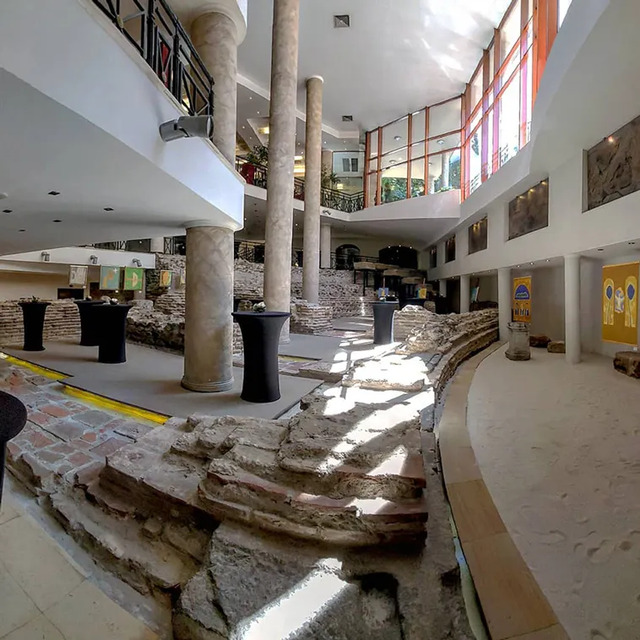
[460,143]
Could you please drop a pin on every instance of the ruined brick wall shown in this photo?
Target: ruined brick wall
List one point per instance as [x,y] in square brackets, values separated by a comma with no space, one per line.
[311,319]
[62,320]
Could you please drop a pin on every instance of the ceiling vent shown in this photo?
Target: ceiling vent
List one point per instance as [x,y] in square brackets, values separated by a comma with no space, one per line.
[347,118]
[341,22]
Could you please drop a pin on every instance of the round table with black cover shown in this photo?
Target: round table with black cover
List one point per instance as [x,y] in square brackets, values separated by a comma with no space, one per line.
[383,321]
[418,302]
[260,338]
[112,331]
[89,336]
[33,318]
[13,417]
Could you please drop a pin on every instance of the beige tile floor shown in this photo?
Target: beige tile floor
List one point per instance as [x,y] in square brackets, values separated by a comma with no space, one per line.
[45,595]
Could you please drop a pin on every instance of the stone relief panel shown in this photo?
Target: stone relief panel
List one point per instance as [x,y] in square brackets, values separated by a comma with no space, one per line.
[478,236]
[529,211]
[614,166]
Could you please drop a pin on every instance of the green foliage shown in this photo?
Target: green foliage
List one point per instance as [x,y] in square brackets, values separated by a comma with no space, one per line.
[259,155]
[396,188]
[328,179]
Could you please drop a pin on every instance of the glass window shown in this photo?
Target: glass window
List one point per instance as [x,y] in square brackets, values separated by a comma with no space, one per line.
[475,159]
[373,143]
[417,150]
[444,117]
[373,164]
[563,7]
[475,89]
[417,178]
[490,149]
[372,186]
[510,31]
[394,183]
[418,126]
[509,121]
[394,135]
[444,171]
[450,249]
[394,158]
[447,142]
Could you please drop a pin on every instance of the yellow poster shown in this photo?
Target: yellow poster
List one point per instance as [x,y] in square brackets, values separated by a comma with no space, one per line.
[620,303]
[522,299]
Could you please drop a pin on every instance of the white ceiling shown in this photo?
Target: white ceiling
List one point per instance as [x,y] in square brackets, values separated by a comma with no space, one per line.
[397,56]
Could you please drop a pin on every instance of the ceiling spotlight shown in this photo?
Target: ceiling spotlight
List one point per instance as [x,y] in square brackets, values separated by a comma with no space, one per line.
[599,249]
[7,211]
[396,138]
[187,127]
[632,243]
[46,256]
[136,262]
[440,142]
[56,220]
[108,208]
[93,259]
[21,230]
[3,196]
[54,193]
[531,263]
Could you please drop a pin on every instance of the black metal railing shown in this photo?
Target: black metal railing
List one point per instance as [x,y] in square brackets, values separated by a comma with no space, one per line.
[256,175]
[155,31]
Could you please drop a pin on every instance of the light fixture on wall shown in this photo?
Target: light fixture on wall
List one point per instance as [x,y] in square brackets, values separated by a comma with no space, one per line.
[46,256]
[93,259]
[187,127]
[137,262]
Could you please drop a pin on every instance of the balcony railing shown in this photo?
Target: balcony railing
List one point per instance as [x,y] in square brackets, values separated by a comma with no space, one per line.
[331,198]
[154,30]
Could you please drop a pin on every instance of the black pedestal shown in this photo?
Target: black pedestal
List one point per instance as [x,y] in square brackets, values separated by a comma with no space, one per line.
[112,330]
[89,336]
[383,322]
[260,337]
[33,319]
[13,417]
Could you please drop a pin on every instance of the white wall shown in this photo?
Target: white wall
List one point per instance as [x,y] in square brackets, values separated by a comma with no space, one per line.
[82,256]
[14,286]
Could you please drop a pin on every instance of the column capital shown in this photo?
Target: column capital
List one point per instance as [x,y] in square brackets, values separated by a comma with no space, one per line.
[572,256]
[235,10]
[315,78]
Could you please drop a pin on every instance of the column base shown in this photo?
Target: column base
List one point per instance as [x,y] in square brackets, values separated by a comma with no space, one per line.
[207,387]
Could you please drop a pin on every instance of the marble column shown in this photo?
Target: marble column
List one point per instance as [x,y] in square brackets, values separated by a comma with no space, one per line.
[325,246]
[445,170]
[157,245]
[504,302]
[465,293]
[215,37]
[312,184]
[572,308]
[208,339]
[282,144]
[442,288]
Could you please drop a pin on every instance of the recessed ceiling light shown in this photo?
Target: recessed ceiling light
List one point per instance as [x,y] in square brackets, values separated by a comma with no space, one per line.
[599,249]
[56,220]
[517,266]
[250,97]
[21,230]
[108,208]
[441,141]
[396,138]
[531,263]
[7,211]
[54,193]
[548,260]
[258,112]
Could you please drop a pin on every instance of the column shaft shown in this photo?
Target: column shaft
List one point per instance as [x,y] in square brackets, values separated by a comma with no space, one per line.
[325,246]
[572,308]
[442,288]
[215,37]
[312,184]
[282,136]
[208,339]
[504,302]
[465,293]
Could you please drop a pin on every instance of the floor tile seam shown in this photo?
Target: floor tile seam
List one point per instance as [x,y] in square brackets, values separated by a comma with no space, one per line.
[461,385]
[24,592]
[528,633]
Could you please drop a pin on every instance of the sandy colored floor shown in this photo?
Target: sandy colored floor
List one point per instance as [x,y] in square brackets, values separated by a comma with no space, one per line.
[559,450]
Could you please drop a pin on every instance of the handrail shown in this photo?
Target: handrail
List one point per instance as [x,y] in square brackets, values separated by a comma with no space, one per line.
[256,175]
[157,34]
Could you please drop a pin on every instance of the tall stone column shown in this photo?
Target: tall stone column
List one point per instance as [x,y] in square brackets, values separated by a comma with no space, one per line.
[312,184]
[157,245]
[325,246]
[572,308]
[282,143]
[465,293]
[504,302]
[208,330]
[215,37]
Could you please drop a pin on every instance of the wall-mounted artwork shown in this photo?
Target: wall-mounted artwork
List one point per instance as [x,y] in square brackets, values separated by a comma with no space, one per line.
[613,166]
[450,249]
[78,275]
[133,279]
[620,303]
[529,211]
[109,278]
[433,257]
[521,303]
[478,236]
[165,278]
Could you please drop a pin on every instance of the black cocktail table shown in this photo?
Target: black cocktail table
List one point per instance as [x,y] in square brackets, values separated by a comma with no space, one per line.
[88,322]
[112,331]
[33,319]
[383,322]
[260,337]
[13,417]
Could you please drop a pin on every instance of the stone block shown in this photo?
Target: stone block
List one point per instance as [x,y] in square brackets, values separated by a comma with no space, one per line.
[556,346]
[628,362]
[539,341]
